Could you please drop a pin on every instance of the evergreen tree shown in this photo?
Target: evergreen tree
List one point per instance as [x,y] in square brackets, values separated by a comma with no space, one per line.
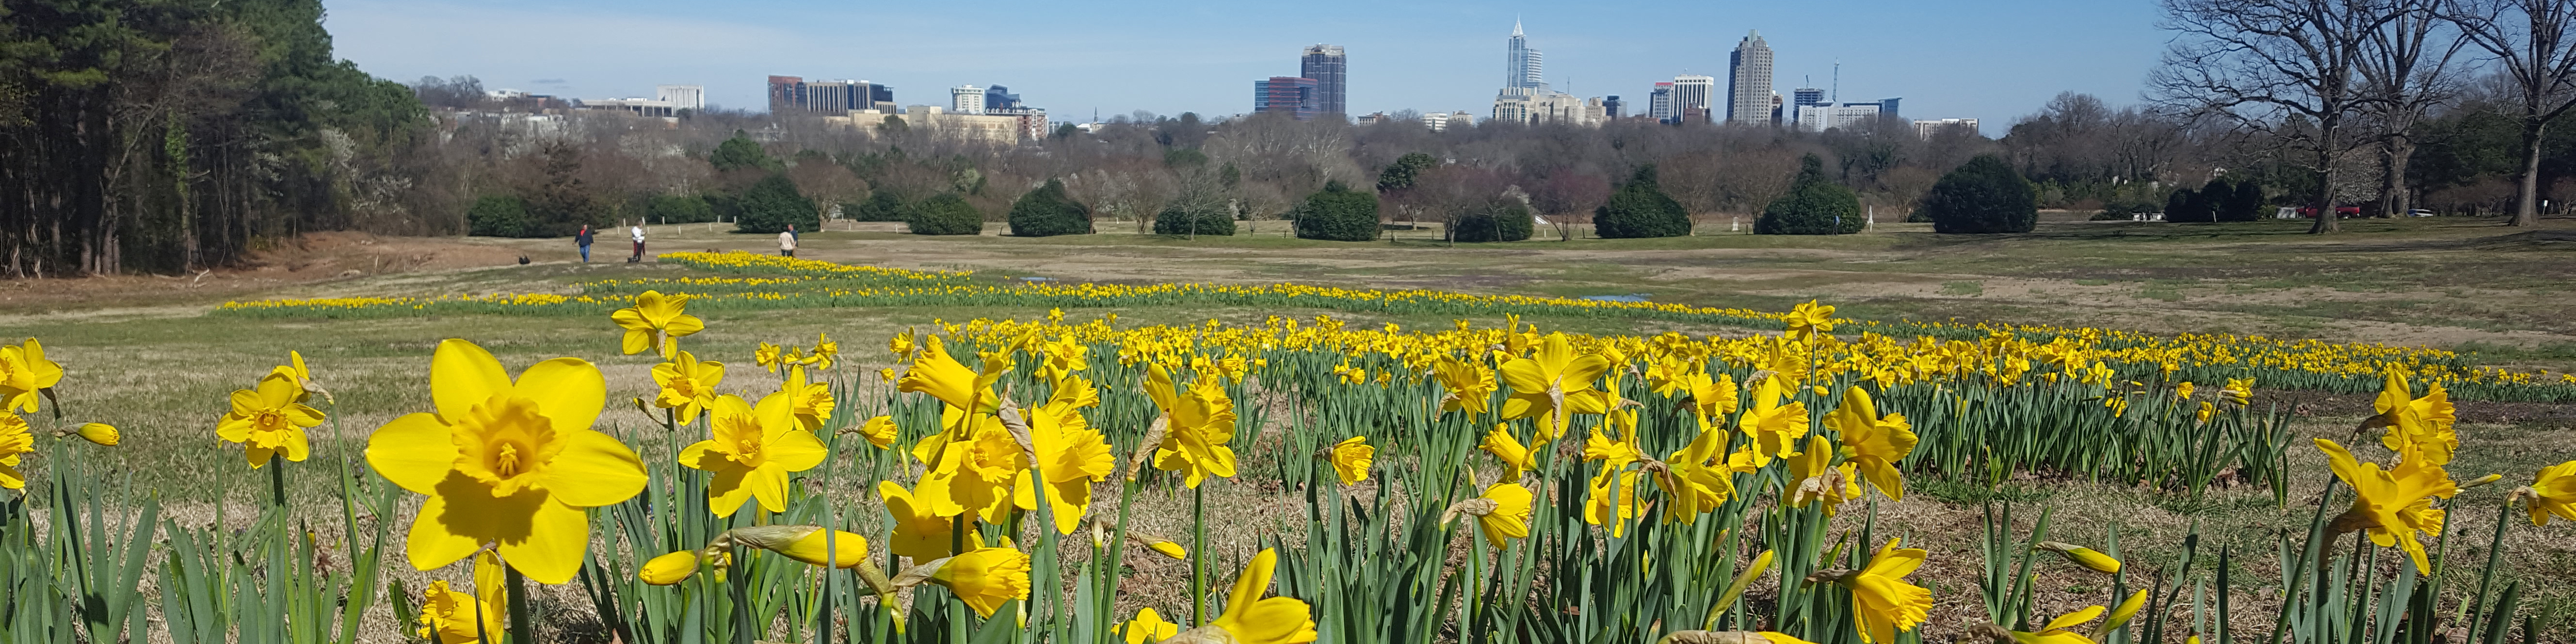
[1185,221]
[741,152]
[2245,204]
[1048,211]
[1984,196]
[771,205]
[1639,208]
[500,216]
[881,205]
[1504,220]
[1814,205]
[1338,213]
[946,214]
[2193,206]
[1404,171]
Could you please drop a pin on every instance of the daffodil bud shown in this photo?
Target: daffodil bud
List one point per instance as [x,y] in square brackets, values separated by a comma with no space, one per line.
[101,433]
[809,544]
[2083,556]
[1170,549]
[669,569]
[2120,614]
[2481,481]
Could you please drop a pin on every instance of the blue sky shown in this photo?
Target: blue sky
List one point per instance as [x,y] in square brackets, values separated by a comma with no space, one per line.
[1993,60]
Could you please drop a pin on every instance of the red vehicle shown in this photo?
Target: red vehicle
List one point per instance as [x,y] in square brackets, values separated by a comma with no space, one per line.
[2341,212]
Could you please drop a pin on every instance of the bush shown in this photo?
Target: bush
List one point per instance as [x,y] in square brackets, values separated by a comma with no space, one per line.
[1047,212]
[1984,196]
[2187,206]
[946,214]
[741,152]
[1179,221]
[881,205]
[1338,213]
[2244,204]
[501,216]
[669,209]
[1639,208]
[1503,220]
[771,205]
[1814,206]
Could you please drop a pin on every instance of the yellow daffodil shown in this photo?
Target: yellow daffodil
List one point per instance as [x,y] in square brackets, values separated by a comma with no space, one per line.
[1773,427]
[1071,455]
[1469,386]
[2417,427]
[1351,459]
[2183,391]
[1542,382]
[1814,478]
[453,617]
[295,368]
[809,402]
[2121,614]
[2552,493]
[1810,319]
[1883,603]
[1611,500]
[2082,556]
[2207,409]
[511,463]
[1509,516]
[919,533]
[2061,630]
[268,422]
[656,322]
[1252,619]
[1194,442]
[985,578]
[769,356]
[1148,627]
[668,569]
[825,352]
[24,372]
[2394,504]
[2238,390]
[100,433]
[1064,357]
[880,431]
[1872,442]
[752,452]
[975,476]
[15,441]
[1712,398]
[1696,478]
[1503,445]
[688,385]
[1730,637]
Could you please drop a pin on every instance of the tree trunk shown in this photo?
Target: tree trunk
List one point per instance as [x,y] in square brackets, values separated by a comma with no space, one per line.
[2526,211]
[2326,222]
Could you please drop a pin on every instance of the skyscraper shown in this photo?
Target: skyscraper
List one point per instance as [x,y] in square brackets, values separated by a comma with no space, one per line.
[1326,65]
[1522,66]
[966,99]
[1611,107]
[1691,93]
[1000,98]
[1748,85]
[1659,103]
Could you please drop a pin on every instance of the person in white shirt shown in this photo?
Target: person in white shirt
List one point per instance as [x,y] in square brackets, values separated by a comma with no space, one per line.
[787,241]
[638,232]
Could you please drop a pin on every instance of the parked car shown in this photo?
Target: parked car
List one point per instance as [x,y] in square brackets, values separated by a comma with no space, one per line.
[2419,212]
[2341,212]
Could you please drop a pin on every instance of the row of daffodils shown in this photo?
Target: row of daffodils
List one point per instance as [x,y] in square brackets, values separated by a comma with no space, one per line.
[1472,484]
[745,281]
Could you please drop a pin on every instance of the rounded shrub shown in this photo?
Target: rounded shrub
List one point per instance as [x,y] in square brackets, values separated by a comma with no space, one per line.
[773,204]
[2187,205]
[1503,220]
[1984,196]
[1639,208]
[1180,221]
[672,209]
[1814,206]
[1338,213]
[1048,211]
[946,214]
[501,216]
[880,205]
[2243,204]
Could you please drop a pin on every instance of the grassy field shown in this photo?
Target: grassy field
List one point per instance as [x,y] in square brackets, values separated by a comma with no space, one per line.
[147,355]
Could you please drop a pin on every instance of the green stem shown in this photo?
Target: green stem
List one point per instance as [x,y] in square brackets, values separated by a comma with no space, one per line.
[1198,557]
[521,631]
[277,480]
[2495,558]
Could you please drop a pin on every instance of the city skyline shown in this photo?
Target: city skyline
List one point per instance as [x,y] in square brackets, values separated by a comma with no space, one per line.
[1196,59]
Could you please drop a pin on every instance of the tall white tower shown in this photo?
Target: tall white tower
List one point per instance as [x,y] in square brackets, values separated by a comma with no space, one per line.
[966,99]
[1748,86]
[1522,66]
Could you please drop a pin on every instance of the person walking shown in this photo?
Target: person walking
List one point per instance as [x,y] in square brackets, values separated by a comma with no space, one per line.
[638,232]
[583,238]
[787,241]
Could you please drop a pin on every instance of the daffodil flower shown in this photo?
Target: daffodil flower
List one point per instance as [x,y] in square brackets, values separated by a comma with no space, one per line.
[15,441]
[1251,619]
[100,433]
[688,385]
[1148,626]
[752,452]
[1773,427]
[919,533]
[656,321]
[509,463]
[453,617]
[2418,428]
[809,402]
[1071,456]
[1508,448]
[2552,492]
[1351,459]
[268,422]
[24,372]
[1201,423]
[1883,604]
[1542,382]
[1872,442]
[984,578]
[1509,514]
[2394,504]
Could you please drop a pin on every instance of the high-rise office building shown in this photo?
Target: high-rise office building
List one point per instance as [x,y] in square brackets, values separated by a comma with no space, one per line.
[834,97]
[1290,95]
[966,99]
[684,97]
[1326,64]
[1000,98]
[1610,107]
[1748,86]
[1691,93]
[1659,103]
[786,93]
[1523,67]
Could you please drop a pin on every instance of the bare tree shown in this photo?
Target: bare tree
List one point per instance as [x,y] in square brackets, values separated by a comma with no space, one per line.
[2284,66]
[2536,51]
[2407,70]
